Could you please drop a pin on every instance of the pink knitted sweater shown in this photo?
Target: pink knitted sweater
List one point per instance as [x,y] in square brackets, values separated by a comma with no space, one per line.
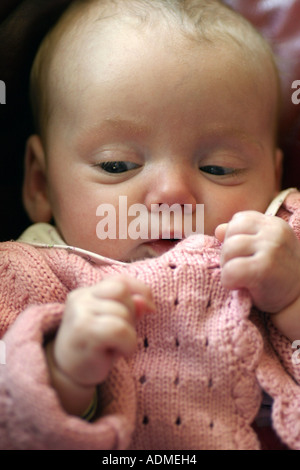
[196,379]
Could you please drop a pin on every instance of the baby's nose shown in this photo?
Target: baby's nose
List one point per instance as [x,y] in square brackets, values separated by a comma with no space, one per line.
[172,187]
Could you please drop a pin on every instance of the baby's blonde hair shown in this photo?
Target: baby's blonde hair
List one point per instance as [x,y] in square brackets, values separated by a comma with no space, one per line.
[199,20]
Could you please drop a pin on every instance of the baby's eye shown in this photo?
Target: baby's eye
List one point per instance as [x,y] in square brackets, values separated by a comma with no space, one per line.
[118,167]
[217,170]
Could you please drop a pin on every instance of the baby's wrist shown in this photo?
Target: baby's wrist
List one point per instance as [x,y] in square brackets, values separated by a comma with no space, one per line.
[75,398]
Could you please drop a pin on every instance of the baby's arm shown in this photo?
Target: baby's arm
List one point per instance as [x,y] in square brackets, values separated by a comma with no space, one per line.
[98,326]
[262,254]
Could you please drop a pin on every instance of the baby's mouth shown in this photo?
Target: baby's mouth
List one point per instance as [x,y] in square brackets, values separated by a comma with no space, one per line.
[161,245]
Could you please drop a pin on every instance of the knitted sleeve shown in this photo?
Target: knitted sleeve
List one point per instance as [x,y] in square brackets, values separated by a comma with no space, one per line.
[284,349]
[279,377]
[31,416]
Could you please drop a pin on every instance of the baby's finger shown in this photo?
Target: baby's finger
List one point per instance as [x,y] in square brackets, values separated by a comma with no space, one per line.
[125,289]
[142,295]
[238,273]
[107,308]
[237,246]
[143,305]
[220,232]
[247,222]
[115,334]
[87,358]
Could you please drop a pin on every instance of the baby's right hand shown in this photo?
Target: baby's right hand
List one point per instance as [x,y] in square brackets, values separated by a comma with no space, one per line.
[98,326]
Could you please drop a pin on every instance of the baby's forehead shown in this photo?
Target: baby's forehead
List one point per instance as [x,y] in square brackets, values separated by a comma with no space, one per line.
[85,18]
[69,45]
[74,36]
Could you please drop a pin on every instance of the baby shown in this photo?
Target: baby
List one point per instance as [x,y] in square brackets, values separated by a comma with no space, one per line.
[161,102]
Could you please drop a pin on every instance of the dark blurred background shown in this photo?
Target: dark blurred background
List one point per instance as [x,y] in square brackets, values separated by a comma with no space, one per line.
[22,27]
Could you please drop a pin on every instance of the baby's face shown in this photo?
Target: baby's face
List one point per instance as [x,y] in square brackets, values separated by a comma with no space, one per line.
[156,118]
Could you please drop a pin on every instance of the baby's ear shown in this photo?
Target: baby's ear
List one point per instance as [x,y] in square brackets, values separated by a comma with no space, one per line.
[35,197]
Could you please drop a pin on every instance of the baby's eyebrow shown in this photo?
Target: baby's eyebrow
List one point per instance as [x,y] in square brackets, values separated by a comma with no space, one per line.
[130,125]
[231,135]
[110,127]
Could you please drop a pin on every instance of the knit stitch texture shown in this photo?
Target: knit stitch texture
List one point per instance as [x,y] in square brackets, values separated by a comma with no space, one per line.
[196,379]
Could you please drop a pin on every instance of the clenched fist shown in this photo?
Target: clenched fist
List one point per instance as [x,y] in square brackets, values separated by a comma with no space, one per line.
[97,327]
[261,253]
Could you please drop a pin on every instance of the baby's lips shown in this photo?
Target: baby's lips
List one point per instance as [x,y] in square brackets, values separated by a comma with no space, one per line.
[143,305]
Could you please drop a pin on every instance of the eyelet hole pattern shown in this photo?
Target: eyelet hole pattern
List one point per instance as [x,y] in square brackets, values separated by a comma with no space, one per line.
[172,266]
[145,420]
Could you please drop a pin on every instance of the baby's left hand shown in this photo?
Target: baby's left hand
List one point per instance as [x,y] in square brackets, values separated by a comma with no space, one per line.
[261,254]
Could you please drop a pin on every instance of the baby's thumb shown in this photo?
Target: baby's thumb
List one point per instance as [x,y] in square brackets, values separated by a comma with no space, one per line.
[142,305]
[220,232]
